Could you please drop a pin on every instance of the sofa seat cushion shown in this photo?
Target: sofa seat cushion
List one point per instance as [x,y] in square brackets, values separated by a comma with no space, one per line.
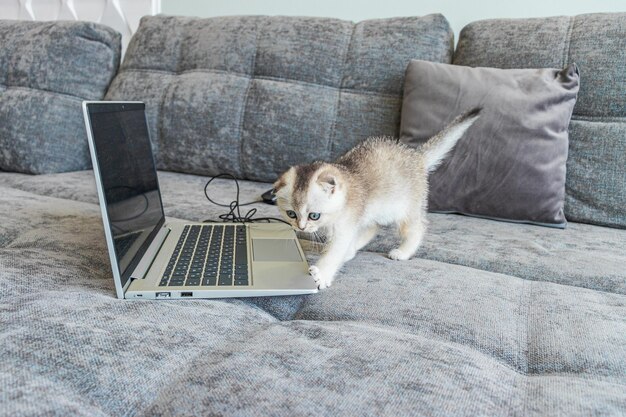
[253,95]
[182,194]
[423,335]
[582,255]
[351,369]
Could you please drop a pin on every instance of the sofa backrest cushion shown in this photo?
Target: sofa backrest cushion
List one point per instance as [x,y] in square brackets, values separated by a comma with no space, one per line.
[46,70]
[595,187]
[252,95]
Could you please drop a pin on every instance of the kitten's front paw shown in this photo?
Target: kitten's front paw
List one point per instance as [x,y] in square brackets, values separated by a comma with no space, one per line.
[398,255]
[321,281]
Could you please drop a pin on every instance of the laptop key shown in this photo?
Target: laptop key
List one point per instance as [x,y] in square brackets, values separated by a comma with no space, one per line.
[209,281]
[241,255]
[241,282]
[226,279]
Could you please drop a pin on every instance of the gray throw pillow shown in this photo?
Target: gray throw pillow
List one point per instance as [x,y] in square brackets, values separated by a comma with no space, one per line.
[510,165]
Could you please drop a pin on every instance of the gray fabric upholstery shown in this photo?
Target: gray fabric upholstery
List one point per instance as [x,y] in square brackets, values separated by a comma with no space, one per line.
[510,164]
[596,177]
[490,318]
[46,70]
[582,255]
[253,95]
[389,338]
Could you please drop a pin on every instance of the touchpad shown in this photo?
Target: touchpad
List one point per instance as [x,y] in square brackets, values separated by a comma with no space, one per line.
[275,250]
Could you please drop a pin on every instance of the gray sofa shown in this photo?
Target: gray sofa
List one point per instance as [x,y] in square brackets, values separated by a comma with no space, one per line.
[489,318]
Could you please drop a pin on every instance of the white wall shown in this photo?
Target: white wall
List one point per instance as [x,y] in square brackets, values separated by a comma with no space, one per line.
[458,12]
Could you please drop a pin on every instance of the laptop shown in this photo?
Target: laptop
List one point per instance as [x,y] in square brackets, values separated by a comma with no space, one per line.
[152,258]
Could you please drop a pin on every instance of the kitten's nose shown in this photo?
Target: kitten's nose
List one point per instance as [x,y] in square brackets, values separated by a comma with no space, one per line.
[301,225]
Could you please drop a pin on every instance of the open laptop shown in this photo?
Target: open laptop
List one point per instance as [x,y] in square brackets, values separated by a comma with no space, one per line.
[154,259]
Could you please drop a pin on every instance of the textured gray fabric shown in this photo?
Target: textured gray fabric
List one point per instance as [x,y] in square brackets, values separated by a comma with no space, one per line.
[511,163]
[595,188]
[252,95]
[596,171]
[529,323]
[46,70]
[389,338]
[582,255]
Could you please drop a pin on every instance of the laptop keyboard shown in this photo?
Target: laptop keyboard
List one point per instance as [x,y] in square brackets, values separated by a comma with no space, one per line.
[209,255]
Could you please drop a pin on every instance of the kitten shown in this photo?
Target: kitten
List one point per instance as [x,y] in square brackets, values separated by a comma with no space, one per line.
[379,182]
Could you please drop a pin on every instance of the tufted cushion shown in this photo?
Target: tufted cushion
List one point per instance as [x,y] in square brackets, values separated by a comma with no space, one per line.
[46,70]
[253,95]
[387,339]
[596,167]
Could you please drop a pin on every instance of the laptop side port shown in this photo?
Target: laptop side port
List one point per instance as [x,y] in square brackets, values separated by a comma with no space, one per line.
[163,295]
[186,294]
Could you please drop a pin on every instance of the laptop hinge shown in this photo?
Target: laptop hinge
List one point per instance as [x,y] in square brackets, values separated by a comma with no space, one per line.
[146,261]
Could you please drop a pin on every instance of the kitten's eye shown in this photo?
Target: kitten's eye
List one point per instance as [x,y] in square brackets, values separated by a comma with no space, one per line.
[314,216]
[292,214]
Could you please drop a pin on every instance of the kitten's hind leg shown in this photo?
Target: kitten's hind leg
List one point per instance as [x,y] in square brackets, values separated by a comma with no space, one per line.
[412,232]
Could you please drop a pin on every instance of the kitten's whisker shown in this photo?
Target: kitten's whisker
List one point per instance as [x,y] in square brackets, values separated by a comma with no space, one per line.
[313,242]
[314,247]
[319,244]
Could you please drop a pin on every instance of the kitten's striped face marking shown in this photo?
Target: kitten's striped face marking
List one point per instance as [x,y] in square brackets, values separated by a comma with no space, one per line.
[308,197]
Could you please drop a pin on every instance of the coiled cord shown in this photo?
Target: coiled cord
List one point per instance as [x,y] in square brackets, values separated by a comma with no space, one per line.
[234,213]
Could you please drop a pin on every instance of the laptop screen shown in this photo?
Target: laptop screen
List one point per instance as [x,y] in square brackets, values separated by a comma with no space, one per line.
[128,179]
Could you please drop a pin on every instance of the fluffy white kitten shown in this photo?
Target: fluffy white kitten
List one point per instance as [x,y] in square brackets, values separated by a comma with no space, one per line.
[379,182]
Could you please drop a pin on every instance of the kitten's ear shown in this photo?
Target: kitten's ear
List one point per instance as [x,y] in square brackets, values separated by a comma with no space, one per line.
[280,183]
[327,181]
[282,180]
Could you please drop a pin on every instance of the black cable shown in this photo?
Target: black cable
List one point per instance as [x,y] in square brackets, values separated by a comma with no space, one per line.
[234,213]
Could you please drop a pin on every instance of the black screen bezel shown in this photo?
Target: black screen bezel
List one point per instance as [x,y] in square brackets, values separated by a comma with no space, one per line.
[118,108]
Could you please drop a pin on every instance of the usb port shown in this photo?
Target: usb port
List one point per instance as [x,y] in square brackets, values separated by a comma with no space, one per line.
[186,294]
[163,295]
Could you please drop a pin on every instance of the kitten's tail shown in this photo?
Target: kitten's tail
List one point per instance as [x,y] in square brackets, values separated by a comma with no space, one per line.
[437,147]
